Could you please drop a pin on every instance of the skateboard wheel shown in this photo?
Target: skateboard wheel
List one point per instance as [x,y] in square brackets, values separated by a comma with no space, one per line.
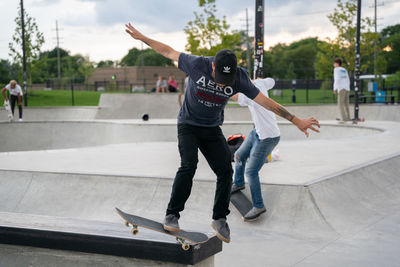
[145,117]
[134,231]
[127,224]
[185,246]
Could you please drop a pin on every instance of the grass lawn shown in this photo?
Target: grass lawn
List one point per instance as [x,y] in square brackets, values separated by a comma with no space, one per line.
[314,97]
[39,98]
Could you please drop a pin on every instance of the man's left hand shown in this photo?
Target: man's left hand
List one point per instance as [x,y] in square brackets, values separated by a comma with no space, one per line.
[305,124]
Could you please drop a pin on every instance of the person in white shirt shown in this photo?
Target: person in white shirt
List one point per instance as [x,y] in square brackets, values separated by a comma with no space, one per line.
[252,154]
[341,87]
[161,86]
[15,96]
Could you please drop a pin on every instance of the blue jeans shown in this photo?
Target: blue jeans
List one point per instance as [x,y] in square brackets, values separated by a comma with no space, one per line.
[256,151]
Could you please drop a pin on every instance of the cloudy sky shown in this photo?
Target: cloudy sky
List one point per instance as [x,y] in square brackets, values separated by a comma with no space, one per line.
[95,28]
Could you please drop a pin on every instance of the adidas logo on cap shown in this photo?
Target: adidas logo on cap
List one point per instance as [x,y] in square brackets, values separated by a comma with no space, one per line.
[227,69]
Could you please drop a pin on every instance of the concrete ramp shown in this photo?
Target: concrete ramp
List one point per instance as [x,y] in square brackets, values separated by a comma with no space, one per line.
[351,200]
[302,220]
[340,204]
[54,113]
[160,106]
[45,135]
[133,106]
[371,112]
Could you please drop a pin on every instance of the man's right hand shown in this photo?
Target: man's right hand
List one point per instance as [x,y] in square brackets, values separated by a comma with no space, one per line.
[133,32]
[159,47]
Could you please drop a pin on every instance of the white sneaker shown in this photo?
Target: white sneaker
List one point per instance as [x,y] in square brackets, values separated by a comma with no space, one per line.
[20,120]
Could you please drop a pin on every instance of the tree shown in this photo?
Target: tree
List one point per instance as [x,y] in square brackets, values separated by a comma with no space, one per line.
[393,80]
[207,34]
[390,31]
[130,58]
[150,58]
[8,71]
[302,54]
[290,74]
[328,51]
[299,57]
[390,48]
[75,67]
[344,20]
[105,64]
[33,41]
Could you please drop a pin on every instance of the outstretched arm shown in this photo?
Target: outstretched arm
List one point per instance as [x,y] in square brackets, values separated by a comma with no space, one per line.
[3,93]
[159,47]
[302,124]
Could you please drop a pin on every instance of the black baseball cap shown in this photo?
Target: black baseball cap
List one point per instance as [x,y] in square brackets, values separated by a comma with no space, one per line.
[225,67]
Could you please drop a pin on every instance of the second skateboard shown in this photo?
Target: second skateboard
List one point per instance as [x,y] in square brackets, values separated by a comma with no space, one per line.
[241,203]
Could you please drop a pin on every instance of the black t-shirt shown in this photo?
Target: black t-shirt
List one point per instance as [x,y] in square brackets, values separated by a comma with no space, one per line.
[205,101]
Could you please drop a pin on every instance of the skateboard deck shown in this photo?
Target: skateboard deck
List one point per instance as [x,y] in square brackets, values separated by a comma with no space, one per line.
[8,109]
[241,203]
[354,121]
[362,119]
[185,238]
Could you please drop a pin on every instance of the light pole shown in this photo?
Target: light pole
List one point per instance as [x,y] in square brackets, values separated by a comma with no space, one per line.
[259,40]
[357,62]
[23,54]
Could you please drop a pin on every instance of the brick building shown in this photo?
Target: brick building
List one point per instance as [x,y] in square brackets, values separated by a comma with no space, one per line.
[126,78]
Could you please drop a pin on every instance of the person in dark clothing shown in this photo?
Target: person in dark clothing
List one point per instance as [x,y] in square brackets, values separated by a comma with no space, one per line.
[212,81]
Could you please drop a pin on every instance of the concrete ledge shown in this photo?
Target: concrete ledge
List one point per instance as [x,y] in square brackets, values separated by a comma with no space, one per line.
[100,238]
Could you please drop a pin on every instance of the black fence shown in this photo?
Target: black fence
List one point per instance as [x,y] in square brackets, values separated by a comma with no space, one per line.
[122,86]
[320,91]
[307,91]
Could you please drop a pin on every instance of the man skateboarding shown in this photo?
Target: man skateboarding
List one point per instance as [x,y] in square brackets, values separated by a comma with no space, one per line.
[251,155]
[15,96]
[212,81]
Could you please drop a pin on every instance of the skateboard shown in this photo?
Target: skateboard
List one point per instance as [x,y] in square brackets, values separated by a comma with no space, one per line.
[8,109]
[241,203]
[354,121]
[185,238]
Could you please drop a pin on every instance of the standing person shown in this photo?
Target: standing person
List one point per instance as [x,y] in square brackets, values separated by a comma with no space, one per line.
[15,96]
[212,81]
[172,85]
[256,147]
[341,87]
[161,85]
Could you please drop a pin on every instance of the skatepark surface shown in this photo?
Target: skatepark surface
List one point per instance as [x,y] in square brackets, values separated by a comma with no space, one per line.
[333,199]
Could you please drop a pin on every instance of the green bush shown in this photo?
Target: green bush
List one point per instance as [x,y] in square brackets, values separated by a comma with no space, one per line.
[393,80]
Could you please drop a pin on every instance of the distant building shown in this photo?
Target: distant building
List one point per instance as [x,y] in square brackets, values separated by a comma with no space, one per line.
[128,78]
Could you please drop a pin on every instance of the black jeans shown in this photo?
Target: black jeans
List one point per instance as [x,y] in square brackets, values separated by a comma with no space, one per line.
[13,99]
[213,146]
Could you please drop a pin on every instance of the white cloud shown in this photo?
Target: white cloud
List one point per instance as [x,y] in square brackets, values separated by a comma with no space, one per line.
[96,27]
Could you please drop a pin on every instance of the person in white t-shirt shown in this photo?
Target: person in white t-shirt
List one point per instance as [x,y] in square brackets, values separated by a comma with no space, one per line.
[341,87]
[161,85]
[252,154]
[15,96]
